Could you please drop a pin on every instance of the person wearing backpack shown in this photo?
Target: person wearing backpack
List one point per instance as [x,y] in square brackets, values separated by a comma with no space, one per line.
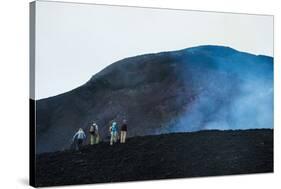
[123,131]
[79,138]
[113,133]
[94,134]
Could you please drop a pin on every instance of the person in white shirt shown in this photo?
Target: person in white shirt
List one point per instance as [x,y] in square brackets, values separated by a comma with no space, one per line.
[79,138]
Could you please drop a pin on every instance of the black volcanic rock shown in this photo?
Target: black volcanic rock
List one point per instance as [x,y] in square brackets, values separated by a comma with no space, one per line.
[203,153]
[187,90]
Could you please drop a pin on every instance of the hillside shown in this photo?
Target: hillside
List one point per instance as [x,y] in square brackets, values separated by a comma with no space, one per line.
[205,87]
[203,153]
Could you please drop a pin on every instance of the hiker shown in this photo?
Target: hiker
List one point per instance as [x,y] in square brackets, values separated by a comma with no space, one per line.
[79,138]
[123,131]
[94,134]
[113,133]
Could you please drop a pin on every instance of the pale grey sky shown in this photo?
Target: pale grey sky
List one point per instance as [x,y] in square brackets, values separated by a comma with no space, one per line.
[75,41]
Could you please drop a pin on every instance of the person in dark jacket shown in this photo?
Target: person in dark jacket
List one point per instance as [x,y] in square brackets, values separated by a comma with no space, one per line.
[123,131]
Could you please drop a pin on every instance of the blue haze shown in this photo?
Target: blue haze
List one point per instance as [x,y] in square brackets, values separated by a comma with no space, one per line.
[234,90]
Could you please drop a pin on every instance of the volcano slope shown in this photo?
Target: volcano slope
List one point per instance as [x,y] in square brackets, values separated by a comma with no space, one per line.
[205,87]
[178,155]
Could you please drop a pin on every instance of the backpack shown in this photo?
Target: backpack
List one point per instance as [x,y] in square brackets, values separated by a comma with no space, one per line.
[93,130]
[113,128]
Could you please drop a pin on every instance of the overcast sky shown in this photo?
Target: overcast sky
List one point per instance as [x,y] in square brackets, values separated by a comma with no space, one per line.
[75,41]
